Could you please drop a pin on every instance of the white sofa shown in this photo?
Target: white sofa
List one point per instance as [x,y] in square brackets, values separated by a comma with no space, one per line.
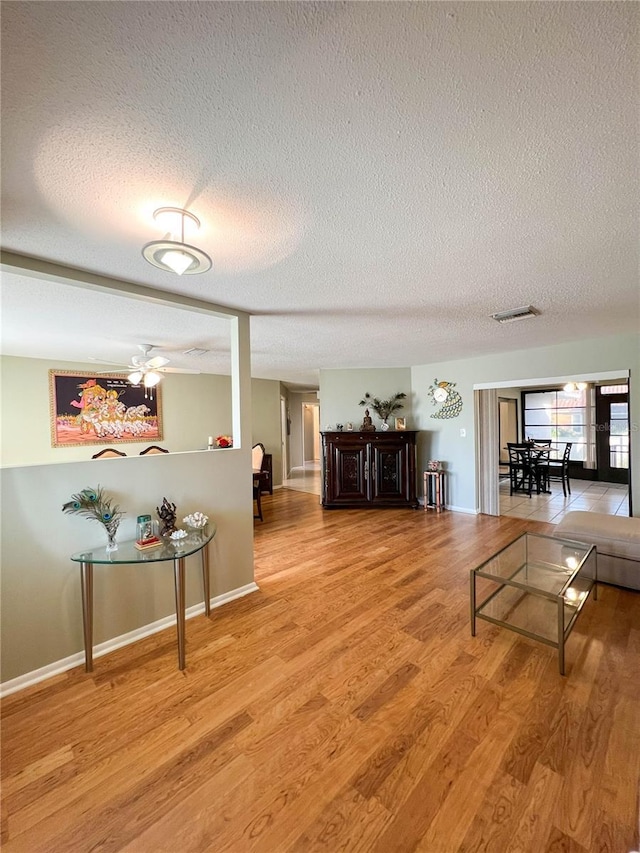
[617,539]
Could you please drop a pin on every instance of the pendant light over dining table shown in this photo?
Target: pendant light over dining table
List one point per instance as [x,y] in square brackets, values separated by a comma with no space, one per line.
[176,256]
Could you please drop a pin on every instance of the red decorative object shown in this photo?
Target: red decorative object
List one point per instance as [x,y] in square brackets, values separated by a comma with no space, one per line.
[224,441]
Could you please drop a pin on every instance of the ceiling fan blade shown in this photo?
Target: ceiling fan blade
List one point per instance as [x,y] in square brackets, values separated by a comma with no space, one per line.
[155,363]
[175,370]
[102,361]
[108,372]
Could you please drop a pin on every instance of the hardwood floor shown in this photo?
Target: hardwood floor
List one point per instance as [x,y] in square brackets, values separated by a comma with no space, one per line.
[344,707]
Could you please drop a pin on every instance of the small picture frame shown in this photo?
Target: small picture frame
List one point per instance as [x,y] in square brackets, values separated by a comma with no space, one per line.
[348,426]
[401,423]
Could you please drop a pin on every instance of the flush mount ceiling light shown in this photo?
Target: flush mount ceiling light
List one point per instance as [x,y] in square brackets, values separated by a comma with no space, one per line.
[175,255]
[515,314]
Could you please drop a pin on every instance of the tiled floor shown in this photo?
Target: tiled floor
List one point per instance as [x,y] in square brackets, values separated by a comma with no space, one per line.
[608,498]
[304,479]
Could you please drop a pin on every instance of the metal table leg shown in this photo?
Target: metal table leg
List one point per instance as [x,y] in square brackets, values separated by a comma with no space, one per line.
[473,603]
[205,579]
[86,583]
[561,635]
[178,573]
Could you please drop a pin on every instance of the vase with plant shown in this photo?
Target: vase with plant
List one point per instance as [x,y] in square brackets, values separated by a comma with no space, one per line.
[92,504]
[383,408]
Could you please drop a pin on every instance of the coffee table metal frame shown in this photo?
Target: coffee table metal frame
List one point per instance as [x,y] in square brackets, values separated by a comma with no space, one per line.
[544,584]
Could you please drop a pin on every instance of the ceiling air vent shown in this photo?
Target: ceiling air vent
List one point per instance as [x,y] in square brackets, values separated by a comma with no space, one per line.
[195,351]
[515,314]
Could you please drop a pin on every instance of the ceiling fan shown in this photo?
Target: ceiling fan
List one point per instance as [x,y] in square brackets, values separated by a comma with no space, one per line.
[144,370]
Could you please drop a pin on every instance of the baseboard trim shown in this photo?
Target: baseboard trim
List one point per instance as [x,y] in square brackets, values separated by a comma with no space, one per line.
[452,508]
[55,668]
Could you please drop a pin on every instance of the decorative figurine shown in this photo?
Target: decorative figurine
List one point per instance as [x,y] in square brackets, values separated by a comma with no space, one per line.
[367,423]
[383,408]
[167,515]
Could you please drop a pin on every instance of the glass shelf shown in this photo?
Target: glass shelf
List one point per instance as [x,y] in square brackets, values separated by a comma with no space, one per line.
[168,549]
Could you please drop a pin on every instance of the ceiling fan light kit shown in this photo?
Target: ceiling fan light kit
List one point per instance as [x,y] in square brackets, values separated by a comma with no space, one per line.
[151,379]
[148,371]
[176,256]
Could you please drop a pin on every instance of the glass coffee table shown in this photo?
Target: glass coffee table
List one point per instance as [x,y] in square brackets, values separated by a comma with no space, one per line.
[536,586]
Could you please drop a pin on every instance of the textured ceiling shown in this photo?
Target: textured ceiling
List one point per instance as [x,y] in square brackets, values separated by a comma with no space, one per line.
[373,179]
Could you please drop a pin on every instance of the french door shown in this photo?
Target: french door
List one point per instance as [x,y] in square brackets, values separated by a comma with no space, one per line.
[612,436]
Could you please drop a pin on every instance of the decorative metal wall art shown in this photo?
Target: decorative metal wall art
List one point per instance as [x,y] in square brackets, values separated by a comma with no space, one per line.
[443,394]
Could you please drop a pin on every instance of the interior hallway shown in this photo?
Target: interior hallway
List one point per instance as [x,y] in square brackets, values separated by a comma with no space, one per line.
[306,478]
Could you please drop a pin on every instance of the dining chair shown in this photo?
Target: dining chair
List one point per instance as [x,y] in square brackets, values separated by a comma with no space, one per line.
[153,448]
[257,493]
[520,468]
[540,458]
[257,455]
[108,453]
[559,469]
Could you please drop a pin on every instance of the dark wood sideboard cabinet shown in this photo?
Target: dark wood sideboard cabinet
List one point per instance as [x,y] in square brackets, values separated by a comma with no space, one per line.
[369,469]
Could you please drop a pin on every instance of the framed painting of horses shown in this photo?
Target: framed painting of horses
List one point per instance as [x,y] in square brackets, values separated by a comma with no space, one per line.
[102,409]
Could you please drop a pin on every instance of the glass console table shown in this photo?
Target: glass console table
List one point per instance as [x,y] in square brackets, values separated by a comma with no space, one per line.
[167,551]
[537,586]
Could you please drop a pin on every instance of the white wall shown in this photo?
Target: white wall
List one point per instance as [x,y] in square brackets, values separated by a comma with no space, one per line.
[442,439]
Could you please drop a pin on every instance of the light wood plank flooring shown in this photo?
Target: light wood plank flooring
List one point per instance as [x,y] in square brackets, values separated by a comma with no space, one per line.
[344,707]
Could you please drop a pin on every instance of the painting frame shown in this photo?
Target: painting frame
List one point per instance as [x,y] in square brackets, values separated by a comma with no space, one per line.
[401,424]
[102,409]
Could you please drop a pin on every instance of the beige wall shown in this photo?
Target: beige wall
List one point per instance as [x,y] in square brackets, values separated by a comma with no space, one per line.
[265,399]
[296,439]
[41,604]
[441,439]
[193,407]
[41,607]
[341,390]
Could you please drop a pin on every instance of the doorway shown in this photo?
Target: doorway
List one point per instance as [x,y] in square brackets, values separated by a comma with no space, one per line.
[507,426]
[310,432]
[612,433]
[284,437]
[605,492]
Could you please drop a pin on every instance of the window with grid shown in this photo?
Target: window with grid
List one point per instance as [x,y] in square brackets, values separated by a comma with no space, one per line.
[618,427]
[558,416]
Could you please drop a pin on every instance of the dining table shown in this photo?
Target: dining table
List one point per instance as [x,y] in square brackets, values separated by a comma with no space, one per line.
[534,464]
